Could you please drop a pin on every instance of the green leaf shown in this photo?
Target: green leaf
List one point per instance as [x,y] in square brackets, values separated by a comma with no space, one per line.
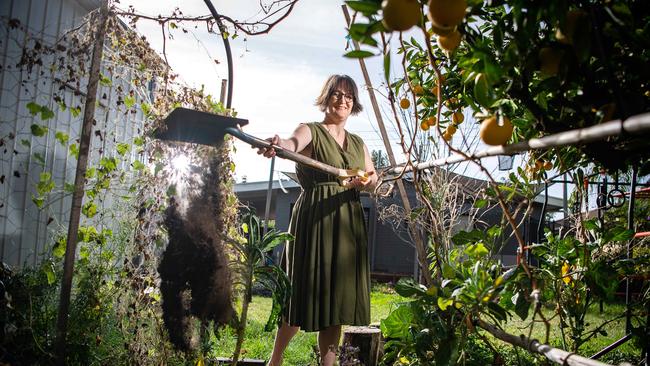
[105,80]
[468,237]
[448,271]
[45,183]
[25,142]
[75,111]
[39,157]
[480,203]
[138,141]
[476,250]
[108,164]
[522,305]
[407,287]
[38,200]
[74,150]
[62,137]
[129,101]
[444,303]
[33,108]
[482,90]
[89,209]
[38,130]
[58,251]
[367,8]
[122,148]
[46,113]
[68,187]
[48,268]
[137,165]
[359,54]
[398,322]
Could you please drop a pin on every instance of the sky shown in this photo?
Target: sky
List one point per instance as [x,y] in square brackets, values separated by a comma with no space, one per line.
[277,76]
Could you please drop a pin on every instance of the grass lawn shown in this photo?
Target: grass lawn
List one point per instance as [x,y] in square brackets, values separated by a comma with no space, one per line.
[258,344]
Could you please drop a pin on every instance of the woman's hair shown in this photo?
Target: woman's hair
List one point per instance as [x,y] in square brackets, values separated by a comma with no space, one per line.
[330,87]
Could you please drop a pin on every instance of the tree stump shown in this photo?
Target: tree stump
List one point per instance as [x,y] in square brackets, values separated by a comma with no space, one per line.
[368,340]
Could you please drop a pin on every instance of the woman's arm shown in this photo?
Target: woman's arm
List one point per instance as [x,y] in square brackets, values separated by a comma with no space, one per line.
[297,142]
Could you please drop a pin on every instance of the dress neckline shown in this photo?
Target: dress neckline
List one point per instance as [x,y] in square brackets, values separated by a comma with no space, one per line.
[346,141]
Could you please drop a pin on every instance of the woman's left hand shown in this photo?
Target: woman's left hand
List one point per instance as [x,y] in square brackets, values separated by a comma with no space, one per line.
[360,183]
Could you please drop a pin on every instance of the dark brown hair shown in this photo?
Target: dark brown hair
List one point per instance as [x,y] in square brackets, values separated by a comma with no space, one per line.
[330,87]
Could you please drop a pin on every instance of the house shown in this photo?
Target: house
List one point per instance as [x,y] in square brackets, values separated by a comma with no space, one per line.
[391,250]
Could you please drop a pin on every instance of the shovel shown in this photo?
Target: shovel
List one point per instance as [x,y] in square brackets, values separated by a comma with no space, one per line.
[187,125]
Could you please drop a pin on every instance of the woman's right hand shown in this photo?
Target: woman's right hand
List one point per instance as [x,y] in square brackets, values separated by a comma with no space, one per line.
[269,152]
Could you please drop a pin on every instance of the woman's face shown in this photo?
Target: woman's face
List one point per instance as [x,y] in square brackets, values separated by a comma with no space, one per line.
[341,102]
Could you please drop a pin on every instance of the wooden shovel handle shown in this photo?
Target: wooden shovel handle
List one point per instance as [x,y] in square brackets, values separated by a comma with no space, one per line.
[342,174]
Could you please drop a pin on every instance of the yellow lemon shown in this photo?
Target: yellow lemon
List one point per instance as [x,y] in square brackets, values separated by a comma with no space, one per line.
[450,42]
[493,134]
[447,13]
[404,103]
[400,15]
[458,117]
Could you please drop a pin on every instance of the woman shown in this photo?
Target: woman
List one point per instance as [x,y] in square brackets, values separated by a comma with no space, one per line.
[328,260]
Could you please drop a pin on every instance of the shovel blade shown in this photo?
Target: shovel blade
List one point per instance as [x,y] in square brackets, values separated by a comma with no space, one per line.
[188,125]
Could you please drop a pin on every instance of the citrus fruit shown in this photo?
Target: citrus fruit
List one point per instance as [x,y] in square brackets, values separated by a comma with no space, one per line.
[493,134]
[449,42]
[549,60]
[451,129]
[400,15]
[431,121]
[575,19]
[447,13]
[446,136]
[548,165]
[424,125]
[458,117]
[404,103]
[418,90]
[440,30]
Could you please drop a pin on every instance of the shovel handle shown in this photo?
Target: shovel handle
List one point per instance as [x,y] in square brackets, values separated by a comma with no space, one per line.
[341,174]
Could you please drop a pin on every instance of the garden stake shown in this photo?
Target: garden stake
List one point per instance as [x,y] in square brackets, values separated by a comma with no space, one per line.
[79,181]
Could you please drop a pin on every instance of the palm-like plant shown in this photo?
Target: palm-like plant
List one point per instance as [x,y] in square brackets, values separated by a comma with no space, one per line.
[252,264]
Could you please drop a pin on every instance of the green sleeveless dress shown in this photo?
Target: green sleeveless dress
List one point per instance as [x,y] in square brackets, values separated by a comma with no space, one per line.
[328,261]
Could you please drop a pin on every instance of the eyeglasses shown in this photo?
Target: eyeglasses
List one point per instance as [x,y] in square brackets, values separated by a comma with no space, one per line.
[348,98]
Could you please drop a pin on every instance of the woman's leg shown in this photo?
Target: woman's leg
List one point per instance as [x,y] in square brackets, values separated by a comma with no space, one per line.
[282,338]
[328,343]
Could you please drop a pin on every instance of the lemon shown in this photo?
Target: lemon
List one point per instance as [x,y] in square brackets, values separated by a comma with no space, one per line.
[550,60]
[418,90]
[447,13]
[404,103]
[449,42]
[424,125]
[458,117]
[400,15]
[493,134]
[575,19]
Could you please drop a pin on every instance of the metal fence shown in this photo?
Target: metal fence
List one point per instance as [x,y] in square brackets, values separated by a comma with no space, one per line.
[27,231]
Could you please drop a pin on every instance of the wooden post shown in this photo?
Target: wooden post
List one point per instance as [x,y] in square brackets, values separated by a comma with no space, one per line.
[77,196]
[369,342]
[421,252]
[224,88]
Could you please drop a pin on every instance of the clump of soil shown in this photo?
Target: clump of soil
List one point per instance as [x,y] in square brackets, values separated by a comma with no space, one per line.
[195,278]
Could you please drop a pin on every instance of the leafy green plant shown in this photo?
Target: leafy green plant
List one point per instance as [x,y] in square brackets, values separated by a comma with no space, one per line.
[253,264]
